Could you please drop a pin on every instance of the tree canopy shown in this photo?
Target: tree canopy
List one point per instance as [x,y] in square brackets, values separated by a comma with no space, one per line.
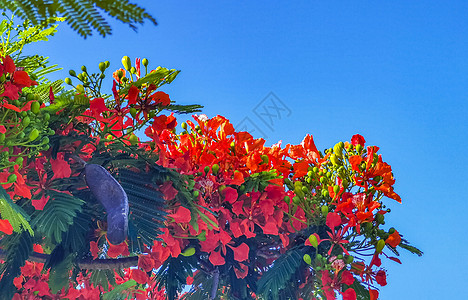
[103,195]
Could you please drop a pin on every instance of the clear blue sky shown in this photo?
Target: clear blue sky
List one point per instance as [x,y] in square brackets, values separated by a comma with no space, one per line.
[395,72]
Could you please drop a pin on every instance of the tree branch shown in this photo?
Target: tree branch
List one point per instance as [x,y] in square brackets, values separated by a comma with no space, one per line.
[87,263]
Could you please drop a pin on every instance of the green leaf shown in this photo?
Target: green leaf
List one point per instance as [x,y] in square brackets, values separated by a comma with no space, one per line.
[57,216]
[279,274]
[103,278]
[119,291]
[17,217]
[173,274]
[59,275]
[18,248]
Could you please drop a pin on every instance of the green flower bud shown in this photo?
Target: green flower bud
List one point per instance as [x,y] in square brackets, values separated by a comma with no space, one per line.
[337,149]
[133,70]
[83,68]
[196,194]
[379,218]
[12,178]
[80,88]
[183,125]
[380,245]
[349,259]
[313,241]
[296,200]
[26,121]
[324,210]
[46,116]
[307,259]
[144,62]
[207,169]
[215,169]
[35,107]
[189,252]
[126,63]
[72,73]
[102,66]
[34,134]
[265,159]
[336,189]
[2,137]
[133,112]
[19,161]
[107,64]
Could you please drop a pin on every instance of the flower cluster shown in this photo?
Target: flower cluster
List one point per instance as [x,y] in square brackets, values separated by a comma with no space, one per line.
[240,206]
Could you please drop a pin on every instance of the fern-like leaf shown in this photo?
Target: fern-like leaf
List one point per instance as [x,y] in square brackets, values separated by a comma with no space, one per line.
[57,216]
[17,217]
[280,273]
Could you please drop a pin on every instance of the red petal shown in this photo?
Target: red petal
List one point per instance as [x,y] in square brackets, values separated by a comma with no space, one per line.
[230,194]
[241,252]
[40,203]
[139,276]
[217,259]
[347,278]
[133,94]
[241,273]
[93,248]
[145,262]
[60,167]
[374,294]
[161,97]
[2,129]
[116,250]
[394,239]
[22,78]
[97,106]
[349,294]
[9,65]
[395,260]
[333,220]
[358,139]
[168,190]
[182,215]
[6,227]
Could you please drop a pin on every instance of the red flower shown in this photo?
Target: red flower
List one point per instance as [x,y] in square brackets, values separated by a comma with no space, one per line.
[358,140]
[6,227]
[394,239]
[182,215]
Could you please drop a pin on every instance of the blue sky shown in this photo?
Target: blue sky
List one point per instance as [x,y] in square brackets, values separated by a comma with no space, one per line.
[394,72]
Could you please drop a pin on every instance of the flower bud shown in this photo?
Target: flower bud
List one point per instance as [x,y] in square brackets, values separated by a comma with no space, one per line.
[12,178]
[126,63]
[215,169]
[188,252]
[83,68]
[307,259]
[324,210]
[34,134]
[72,73]
[68,81]
[144,62]
[313,241]
[102,66]
[133,112]
[35,107]
[380,245]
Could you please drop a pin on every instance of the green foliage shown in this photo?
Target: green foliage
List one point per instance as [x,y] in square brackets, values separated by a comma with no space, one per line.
[279,275]
[361,292]
[118,293]
[59,275]
[259,181]
[57,216]
[173,274]
[82,15]
[10,211]
[405,245]
[18,247]
[103,278]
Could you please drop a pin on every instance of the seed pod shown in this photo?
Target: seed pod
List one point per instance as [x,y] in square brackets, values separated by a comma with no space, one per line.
[112,196]
[307,259]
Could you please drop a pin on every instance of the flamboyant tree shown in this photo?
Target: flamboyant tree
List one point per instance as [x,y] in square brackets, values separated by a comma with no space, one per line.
[103,197]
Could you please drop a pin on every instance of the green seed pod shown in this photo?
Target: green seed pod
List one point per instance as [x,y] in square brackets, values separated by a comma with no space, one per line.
[34,134]
[35,107]
[120,74]
[102,66]
[12,178]
[307,259]
[126,63]
[215,169]
[188,252]
[313,241]
[26,121]
[380,245]
[72,73]
[144,62]
[324,210]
